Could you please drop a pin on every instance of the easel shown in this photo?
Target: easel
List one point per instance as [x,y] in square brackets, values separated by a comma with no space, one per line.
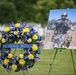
[55,57]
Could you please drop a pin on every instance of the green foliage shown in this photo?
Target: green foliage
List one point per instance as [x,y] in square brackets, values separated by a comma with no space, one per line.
[31,10]
[42,8]
[65,4]
[24,9]
[7,12]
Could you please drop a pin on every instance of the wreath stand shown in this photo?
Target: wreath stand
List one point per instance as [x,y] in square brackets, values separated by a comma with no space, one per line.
[57,49]
[21,74]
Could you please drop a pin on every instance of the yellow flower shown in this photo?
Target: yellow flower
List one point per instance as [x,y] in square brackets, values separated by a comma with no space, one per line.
[25,30]
[17,25]
[34,37]
[3,40]
[10,56]
[7,29]
[30,56]
[14,66]
[16,32]
[22,61]
[29,40]
[34,47]
[6,61]
[21,56]
[0,36]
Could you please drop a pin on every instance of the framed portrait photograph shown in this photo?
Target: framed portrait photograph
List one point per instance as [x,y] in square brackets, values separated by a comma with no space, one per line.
[61,29]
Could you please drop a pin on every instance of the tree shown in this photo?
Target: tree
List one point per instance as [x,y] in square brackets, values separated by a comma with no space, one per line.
[7,12]
[42,8]
[65,4]
[24,9]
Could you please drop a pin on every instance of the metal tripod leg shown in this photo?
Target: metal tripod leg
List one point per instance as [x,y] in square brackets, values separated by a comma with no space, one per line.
[73,61]
[75,50]
[26,72]
[14,51]
[52,61]
[9,72]
[23,73]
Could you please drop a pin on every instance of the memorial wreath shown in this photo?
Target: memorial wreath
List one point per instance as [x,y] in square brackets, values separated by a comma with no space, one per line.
[19,36]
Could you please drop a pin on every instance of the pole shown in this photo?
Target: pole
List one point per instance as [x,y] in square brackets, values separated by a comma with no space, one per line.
[9,72]
[75,50]
[73,60]
[26,72]
[14,51]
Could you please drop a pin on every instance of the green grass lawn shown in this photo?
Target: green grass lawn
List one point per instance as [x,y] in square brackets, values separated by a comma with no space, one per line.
[62,65]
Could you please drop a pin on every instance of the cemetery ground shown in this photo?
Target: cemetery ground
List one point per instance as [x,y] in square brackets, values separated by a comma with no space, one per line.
[62,64]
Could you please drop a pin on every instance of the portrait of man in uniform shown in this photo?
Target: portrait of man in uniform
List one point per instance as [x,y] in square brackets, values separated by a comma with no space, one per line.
[61,27]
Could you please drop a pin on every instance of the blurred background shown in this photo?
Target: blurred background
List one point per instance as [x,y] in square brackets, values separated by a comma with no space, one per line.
[36,13]
[33,12]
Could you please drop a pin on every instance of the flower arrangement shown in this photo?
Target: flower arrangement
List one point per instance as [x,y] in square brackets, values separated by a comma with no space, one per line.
[13,34]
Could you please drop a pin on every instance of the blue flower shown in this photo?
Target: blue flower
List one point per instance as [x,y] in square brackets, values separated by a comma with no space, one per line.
[3,36]
[39,43]
[38,51]
[24,68]
[31,65]
[14,61]
[28,50]
[4,52]
[13,29]
[4,66]
[19,29]
[13,36]
[39,38]
[25,37]
[19,34]
[23,24]
[26,57]
[11,24]
[28,36]
[7,35]
[2,57]
[35,59]
[0,32]
[17,70]
[31,29]
[8,68]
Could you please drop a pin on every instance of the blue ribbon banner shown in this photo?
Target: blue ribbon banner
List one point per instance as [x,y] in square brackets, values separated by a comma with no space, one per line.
[17,45]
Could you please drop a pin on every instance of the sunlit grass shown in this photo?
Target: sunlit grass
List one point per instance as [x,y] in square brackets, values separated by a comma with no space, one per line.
[62,65]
